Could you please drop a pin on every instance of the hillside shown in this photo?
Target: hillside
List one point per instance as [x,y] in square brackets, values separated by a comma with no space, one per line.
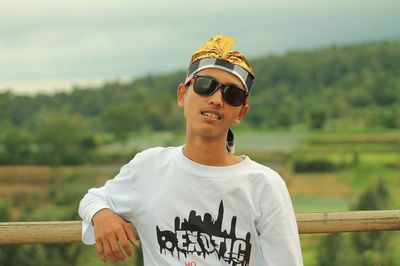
[360,82]
[335,88]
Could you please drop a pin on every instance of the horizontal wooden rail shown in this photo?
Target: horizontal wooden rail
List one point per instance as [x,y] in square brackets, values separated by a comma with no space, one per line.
[352,221]
[308,223]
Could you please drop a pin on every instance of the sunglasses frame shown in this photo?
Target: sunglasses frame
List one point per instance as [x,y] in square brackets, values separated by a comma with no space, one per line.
[225,88]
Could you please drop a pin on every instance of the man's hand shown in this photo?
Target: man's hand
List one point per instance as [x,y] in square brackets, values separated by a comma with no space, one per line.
[112,235]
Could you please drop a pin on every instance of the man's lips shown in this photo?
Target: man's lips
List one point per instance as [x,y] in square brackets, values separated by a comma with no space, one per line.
[212,114]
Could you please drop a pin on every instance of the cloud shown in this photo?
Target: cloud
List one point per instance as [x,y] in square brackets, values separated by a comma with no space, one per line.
[84,40]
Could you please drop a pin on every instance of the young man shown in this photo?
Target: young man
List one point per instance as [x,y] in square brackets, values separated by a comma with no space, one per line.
[198,204]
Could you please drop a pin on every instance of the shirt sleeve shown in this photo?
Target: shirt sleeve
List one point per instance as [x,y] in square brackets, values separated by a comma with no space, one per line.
[279,237]
[117,194]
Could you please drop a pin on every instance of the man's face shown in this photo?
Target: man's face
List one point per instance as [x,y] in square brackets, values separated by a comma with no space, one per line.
[210,116]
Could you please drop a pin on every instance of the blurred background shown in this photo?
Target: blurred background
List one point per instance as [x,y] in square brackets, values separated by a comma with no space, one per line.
[85,85]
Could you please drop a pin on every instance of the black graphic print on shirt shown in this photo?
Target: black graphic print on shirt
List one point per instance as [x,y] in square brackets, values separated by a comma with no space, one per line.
[205,237]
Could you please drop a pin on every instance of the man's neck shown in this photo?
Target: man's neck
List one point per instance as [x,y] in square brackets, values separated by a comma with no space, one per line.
[209,151]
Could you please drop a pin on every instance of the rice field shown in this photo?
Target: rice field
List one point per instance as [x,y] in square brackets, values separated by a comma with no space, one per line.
[364,157]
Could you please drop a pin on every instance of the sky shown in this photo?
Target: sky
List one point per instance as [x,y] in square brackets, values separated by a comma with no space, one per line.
[48,46]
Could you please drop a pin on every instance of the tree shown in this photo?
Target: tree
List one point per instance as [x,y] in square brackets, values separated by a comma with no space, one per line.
[15,146]
[122,119]
[60,138]
[283,117]
[374,247]
[361,249]
[316,118]
[390,118]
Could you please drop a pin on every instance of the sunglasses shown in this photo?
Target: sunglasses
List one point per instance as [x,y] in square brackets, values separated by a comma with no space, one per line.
[206,86]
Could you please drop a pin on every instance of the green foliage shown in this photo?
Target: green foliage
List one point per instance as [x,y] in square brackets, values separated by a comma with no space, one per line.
[39,254]
[53,138]
[5,210]
[374,246]
[314,165]
[391,118]
[63,198]
[375,198]
[367,154]
[284,117]
[335,250]
[366,248]
[59,204]
[122,119]
[316,118]
[354,86]
[15,145]
[58,138]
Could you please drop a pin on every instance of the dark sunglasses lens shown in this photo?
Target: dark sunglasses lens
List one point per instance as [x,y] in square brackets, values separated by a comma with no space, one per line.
[234,96]
[207,86]
[204,85]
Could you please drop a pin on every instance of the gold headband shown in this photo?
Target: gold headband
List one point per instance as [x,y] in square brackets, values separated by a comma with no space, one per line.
[217,53]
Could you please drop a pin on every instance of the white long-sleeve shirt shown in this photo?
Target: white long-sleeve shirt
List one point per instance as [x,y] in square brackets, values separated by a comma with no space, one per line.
[192,214]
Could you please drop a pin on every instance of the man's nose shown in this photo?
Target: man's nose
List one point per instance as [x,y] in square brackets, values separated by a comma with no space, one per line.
[216,98]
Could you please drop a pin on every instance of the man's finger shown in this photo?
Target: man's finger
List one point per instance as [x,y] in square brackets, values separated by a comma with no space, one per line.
[100,251]
[108,250]
[123,240]
[131,235]
[116,249]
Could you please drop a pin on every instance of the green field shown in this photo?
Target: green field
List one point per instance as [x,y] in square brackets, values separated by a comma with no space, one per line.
[354,162]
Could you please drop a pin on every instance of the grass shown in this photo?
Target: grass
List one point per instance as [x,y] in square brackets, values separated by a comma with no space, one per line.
[89,257]
[268,141]
[361,176]
[380,158]
[320,204]
[143,140]
[308,248]
[396,246]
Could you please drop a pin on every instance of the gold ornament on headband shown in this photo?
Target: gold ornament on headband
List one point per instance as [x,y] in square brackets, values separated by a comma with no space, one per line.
[220,47]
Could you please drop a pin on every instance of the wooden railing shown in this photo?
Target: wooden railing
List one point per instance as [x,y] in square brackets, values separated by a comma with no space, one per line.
[308,223]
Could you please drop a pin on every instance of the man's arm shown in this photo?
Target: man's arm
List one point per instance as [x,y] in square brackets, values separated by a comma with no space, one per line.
[113,236]
[279,235]
[103,211]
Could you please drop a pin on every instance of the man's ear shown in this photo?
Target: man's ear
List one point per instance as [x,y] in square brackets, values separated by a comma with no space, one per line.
[180,94]
[243,111]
